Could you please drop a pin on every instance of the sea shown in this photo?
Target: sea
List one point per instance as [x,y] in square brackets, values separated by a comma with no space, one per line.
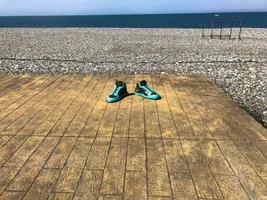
[198,20]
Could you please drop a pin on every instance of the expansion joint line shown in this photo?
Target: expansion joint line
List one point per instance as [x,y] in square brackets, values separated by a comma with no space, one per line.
[118,62]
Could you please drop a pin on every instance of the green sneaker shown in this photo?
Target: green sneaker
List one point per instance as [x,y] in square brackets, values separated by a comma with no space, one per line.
[143,90]
[118,93]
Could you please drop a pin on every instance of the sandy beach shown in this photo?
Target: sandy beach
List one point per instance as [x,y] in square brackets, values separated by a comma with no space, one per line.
[238,66]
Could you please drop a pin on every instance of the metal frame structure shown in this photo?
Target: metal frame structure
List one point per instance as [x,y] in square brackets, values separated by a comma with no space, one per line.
[222,25]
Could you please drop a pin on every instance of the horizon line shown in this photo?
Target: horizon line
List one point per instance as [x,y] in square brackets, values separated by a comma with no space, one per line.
[181,13]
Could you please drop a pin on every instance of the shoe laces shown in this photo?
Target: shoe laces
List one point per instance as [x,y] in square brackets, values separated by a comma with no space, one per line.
[116,88]
[149,89]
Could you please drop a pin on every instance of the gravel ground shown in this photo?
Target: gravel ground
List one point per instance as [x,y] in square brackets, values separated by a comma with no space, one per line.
[238,66]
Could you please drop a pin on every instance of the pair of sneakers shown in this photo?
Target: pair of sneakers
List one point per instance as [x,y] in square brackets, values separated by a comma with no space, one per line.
[142,89]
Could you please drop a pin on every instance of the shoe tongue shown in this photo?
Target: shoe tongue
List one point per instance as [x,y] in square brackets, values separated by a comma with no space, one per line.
[119,83]
[142,83]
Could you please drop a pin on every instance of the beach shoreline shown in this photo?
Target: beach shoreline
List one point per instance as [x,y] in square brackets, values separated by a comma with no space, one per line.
[238,66]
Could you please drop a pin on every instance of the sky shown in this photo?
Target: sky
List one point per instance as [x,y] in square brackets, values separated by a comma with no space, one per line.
[98,7]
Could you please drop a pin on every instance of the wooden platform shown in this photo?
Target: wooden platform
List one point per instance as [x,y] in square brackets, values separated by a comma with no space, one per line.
[59,139]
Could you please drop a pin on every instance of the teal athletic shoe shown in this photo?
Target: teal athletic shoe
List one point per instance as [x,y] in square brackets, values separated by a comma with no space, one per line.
[142,89]
[118,93]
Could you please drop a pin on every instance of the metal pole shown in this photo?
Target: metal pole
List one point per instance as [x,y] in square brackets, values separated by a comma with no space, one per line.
[203,33]
[231,31]
[221,31]
[211,34]
[240,30]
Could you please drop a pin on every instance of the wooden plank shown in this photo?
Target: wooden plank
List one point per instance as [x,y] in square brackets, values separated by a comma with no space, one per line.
[14,85]
[71,173]
[43,184]
[68,180]
[12,127]
[89,185]
[167,125]
[7,195]
[194,156]
[80,153]
[34,164]
[113,178]
[254,156]
[220,168]
[135,186]
[110,197]
[206,186]
[54,116]
[182,124]
[31,95]
[264,180]
[232,127]
[80,119]
[212,120]
[46,111]
[174,156]
[157,173]
[8,119]
[233,121]
[154,114]
[98,154]
[10,86]
[231,187]
[6,174]
[117,154]
[113,181]
[261,131]
[136,155]
[4,140]
[200,129]
[137,124]
[91,126]
[253,185]
[236,126]
[215,158]
[60,196]
[24,152]
[183,186]
[121,127]
[152,127]
[13,101]
[159,198]
[66,118]
[253,130]
[10,148]
[61,153]
[4,79]
[262,146]
[29,114]
[108,120]
[137,117]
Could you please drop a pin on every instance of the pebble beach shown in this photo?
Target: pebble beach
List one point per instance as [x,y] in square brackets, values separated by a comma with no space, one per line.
[237,66]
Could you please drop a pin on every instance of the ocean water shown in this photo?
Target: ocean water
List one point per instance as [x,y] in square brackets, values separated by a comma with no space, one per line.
[249,19]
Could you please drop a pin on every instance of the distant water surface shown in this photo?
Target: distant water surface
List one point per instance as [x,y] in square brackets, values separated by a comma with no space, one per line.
[249,19]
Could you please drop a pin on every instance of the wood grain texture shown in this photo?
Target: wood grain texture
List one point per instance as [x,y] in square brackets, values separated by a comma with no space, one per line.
[61,140]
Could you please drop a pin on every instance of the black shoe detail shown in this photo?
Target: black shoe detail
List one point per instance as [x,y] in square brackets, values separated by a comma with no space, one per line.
[119,83]
[143,82]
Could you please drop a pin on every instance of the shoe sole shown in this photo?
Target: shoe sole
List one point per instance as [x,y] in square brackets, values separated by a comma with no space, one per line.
[116,100]
[146,97]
